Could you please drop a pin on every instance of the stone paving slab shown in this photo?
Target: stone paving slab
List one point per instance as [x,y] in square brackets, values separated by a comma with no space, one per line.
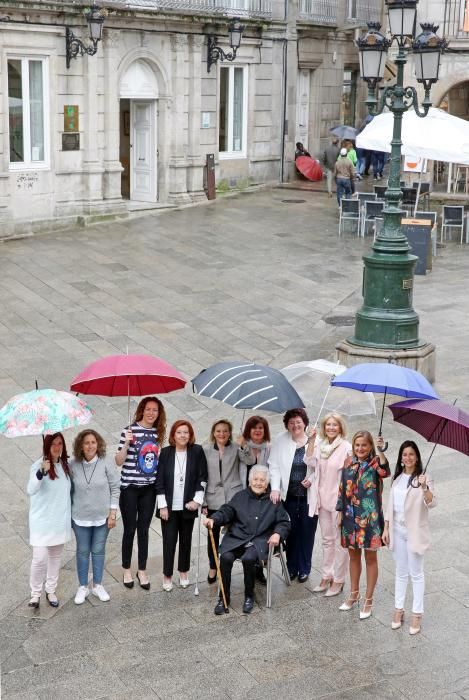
[250,277]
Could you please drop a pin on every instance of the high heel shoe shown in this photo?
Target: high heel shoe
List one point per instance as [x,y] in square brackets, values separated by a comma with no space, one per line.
[211,579]
[415,623]
[168,586]
[52,600]
[184,582]
[128,584]
[145,586]
[34,602]
[323,585]
[350,602]
[334,591]
[398,619]
[364,615]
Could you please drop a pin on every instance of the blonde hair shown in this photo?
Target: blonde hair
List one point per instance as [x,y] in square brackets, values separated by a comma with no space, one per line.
[338,419]
[368,437]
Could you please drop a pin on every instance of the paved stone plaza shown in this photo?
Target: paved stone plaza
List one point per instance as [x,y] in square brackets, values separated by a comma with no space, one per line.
[250,277]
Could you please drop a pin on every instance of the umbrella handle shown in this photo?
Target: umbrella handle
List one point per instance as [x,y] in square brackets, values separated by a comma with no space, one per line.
[380,431]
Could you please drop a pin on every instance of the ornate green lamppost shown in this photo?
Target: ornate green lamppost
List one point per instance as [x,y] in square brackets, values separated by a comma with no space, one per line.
[387,320]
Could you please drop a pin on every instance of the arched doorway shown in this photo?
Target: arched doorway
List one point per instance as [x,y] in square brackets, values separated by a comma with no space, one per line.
[456,100]
[138,92]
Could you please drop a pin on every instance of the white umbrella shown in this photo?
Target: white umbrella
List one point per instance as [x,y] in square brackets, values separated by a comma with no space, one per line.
[438,136]
[312,381]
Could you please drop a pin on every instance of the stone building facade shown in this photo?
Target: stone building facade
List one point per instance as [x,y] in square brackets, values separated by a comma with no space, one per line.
[131,125]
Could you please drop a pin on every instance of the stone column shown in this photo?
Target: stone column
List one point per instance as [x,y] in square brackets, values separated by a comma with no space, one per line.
[195,157]
[178,150]
[92,166]
[112,165]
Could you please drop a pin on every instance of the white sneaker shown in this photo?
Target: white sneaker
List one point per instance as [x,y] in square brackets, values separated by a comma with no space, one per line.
[101,593]
[82,594]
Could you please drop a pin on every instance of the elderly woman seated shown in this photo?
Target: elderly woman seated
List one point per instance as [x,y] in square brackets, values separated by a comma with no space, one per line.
[255,524]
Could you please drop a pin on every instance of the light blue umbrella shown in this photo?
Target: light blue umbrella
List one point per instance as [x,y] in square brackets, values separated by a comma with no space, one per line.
[386,378]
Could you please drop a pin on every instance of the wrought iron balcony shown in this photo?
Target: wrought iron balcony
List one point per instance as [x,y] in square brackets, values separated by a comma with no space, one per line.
[363,11]
[455,21]
[319,11]
[229,8]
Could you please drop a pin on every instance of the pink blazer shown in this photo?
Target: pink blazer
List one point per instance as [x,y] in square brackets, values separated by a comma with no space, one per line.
[325,475]
[416,517]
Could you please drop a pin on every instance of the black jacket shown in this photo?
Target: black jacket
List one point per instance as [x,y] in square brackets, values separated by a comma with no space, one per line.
[196,473]
[252,519]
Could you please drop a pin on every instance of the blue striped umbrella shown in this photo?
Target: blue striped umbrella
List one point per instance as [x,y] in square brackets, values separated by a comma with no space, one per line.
[247,385]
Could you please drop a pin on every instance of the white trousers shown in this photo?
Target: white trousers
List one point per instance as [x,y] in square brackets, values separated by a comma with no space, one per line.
[335,557]
[407,563]
[45,566]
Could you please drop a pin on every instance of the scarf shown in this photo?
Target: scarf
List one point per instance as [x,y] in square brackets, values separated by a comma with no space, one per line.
[326,448]
[257,445]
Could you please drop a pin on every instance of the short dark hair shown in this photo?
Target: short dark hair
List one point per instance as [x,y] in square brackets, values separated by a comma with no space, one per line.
[296,413]
[251,423]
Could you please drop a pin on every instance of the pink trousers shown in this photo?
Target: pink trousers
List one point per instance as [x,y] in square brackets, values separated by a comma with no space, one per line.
[335,557]
[45,566]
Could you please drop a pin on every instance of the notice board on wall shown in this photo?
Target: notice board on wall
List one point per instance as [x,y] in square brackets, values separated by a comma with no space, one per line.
[419,235]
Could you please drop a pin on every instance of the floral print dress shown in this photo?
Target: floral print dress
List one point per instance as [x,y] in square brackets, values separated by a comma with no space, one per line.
[359,501]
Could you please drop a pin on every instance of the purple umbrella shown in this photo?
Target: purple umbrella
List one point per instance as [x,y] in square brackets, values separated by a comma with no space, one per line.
[436,421]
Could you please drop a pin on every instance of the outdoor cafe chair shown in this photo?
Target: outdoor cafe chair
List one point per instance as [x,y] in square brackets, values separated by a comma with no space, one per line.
[349,211]
[424,191]
[366,197]
[380,191]
[409,198]
[373,210]
[452,217]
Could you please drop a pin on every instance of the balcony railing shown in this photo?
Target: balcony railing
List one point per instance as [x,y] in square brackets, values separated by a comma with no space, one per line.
[229,8]
[363,11]
[455,22]
[319,11]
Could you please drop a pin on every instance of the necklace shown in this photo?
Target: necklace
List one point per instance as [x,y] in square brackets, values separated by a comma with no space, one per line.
[181,466]
[88,481]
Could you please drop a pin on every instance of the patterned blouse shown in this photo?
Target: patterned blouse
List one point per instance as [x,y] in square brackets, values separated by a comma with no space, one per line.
[360,502]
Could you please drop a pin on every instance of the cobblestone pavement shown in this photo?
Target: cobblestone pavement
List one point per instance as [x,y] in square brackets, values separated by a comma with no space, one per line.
[253,277]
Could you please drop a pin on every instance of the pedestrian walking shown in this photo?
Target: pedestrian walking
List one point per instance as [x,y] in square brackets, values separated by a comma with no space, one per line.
[138,452]
[290,484]
[407,532]
[180,485]
[224,479]
[49,517]
[344,173]
[378,164]
[327,458]
[95,499]
[255,524]
[361,514]
[329,159]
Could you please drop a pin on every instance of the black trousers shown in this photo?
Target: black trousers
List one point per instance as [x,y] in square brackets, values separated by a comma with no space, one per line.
[176,526]
[300,541]
[249,559]
[137,505]
[216,536]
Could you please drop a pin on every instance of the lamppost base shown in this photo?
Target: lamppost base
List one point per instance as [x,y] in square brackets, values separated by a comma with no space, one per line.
[421,358]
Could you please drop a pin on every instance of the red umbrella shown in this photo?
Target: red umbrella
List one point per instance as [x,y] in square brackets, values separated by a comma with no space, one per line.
[128,375]
[309,167]
[435,420]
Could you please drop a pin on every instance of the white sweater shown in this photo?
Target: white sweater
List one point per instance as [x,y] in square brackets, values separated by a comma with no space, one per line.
[50,513]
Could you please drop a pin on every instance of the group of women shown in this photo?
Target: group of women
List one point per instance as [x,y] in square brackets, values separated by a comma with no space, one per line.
[318,477]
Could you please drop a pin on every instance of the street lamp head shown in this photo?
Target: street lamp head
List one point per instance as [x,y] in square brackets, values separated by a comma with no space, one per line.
[373,47]
[402,15]
[427,49]
[95,18]
[235,30]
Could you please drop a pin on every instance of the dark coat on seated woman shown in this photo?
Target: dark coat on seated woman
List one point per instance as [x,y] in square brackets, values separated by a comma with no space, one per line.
[252,519]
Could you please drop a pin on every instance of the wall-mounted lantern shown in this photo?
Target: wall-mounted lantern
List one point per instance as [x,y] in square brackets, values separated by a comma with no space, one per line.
[95,16]
[214,52]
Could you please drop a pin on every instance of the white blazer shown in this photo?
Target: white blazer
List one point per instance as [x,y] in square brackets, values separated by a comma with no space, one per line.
[280,462]
[416,517]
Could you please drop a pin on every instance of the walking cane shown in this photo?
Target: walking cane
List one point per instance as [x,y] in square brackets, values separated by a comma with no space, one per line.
[217,564]
[196,590]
